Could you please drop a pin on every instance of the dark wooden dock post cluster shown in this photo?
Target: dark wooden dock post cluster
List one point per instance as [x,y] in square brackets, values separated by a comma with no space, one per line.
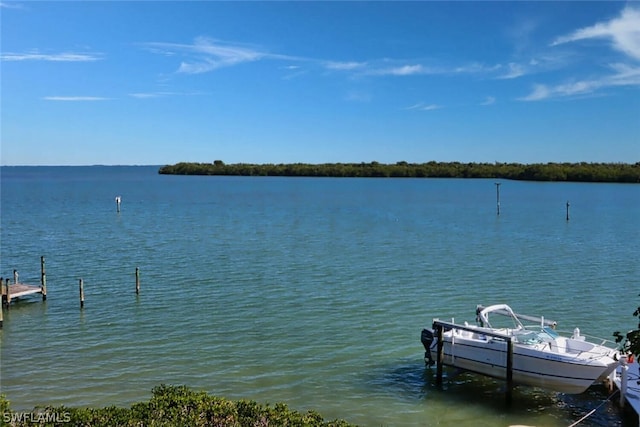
[11,291]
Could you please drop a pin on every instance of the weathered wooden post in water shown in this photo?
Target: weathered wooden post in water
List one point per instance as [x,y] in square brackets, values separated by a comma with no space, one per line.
[81,294]
[118,200]
[7,293]
[137,281]
[1,303]
[568,210]
[498,197]
[43,279]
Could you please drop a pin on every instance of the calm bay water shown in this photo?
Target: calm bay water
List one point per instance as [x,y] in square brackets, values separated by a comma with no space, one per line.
[309,291]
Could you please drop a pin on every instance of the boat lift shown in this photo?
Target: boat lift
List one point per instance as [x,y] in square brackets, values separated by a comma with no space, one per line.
[440,327]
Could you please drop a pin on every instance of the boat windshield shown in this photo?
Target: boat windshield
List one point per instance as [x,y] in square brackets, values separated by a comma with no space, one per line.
[529,337]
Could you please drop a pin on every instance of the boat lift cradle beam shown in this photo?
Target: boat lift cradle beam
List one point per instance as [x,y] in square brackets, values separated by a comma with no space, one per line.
[440,326]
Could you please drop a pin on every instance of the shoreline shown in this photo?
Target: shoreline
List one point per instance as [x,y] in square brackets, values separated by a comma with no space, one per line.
[546,172]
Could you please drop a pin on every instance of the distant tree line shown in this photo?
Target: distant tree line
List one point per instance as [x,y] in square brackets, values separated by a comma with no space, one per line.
[577,172]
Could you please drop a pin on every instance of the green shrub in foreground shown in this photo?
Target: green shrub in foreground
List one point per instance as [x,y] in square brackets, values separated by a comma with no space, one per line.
[169,406]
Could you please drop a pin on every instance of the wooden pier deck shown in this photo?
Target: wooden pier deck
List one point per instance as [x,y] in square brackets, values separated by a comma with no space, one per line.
[17,290]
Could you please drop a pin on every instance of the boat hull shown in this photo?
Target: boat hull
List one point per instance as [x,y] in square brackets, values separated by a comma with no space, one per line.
[531,366]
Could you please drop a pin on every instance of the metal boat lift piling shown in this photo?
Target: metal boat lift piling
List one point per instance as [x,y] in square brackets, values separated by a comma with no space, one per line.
[440,326]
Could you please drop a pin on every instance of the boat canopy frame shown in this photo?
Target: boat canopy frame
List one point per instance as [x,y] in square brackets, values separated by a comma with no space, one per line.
[505,310]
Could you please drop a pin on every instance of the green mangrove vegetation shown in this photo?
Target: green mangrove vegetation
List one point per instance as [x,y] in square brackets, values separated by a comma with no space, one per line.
[576,172]
[630,341]
[174,406]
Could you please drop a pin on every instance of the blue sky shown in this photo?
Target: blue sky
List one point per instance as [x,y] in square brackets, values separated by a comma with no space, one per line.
[280,82]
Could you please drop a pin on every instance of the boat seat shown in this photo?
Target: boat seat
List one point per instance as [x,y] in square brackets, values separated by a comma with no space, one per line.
[563,345]
[578,346]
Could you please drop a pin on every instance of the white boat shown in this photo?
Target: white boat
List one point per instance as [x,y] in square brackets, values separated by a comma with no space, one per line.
[541,357]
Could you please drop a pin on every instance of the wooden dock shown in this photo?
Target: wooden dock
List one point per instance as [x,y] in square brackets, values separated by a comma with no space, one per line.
[626,378]
[10,291]
[17,290]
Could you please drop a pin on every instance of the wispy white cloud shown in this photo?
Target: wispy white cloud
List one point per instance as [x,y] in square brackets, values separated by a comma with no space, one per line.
[75,98]
[293,72]
[401,70]
[11,5]
[147,95]
[623,32]
[344,66]
[624,75]
[473,68]
[406,70]
[538,93]
[489,100]
[358,96]
[421,106]
[141,95]
[205,54]
[422,69]
[53,57]
[513,71]
[538,63]
[572,89]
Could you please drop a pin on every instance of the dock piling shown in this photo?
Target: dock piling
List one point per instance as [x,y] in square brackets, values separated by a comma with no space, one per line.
[1,303]
[440,354]
[498,197]
[43,279]
[7,293]
[81,284]
[118,200]
[137,281]
[568,210]
[624,377]
[509,392]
